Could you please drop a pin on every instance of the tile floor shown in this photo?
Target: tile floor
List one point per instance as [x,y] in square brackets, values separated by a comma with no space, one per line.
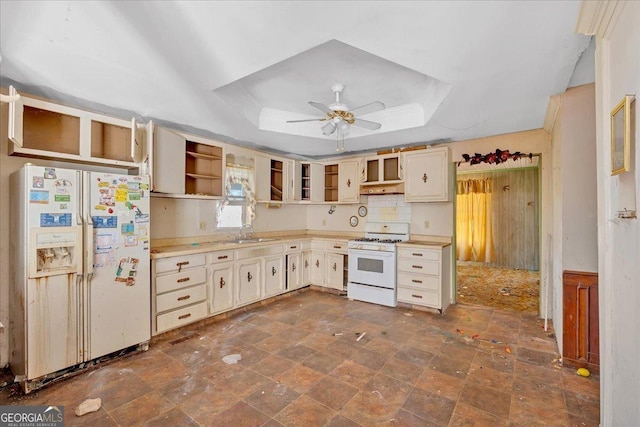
[411,368]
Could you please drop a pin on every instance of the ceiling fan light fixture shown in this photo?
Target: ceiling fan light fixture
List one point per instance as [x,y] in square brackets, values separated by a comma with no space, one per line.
[329,128]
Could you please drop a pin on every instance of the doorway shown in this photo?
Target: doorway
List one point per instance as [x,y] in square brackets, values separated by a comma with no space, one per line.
[497,219]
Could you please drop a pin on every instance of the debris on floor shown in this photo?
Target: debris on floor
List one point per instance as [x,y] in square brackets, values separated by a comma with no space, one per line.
[89,405]
[583,372]
[360,335]
[337,334]
[232,359]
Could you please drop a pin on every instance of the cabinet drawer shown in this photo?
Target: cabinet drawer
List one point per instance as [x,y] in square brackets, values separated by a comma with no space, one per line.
[292,247]
[174,281]
[180,298]
[165,265]
[336,246]
[420,297]
[181,317]
[419,266]
[222,256]
[419,281]
[419,253]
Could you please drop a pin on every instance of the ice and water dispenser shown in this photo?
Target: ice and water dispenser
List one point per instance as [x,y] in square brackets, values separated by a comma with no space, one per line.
[56,251]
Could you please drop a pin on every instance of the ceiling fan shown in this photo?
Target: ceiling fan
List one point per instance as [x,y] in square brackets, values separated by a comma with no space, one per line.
[339,117]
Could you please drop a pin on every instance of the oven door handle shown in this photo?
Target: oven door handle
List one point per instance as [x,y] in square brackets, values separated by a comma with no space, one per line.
[371,254]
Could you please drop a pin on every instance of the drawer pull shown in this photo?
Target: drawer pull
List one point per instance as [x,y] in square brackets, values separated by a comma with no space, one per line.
[337,247]
[184,279]
[293,266]
[273,271]
[416,281]
[416,254]
[184,298]
[184,316]
[222,282]
[416,296]
[416,266]
[293,247]
[223,257]
[181,264]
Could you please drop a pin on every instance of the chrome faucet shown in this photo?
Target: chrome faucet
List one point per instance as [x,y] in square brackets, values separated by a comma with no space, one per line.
[246,231]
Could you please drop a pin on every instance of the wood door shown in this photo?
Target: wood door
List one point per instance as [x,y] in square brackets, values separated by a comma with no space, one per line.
[580,341]
[168,166]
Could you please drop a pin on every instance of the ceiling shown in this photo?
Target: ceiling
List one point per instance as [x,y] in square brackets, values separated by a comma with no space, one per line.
[238,71]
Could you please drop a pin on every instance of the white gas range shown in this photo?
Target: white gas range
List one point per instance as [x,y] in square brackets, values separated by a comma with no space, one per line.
[372,263]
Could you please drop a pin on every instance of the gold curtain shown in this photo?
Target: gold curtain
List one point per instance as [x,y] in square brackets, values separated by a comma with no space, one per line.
[474,234]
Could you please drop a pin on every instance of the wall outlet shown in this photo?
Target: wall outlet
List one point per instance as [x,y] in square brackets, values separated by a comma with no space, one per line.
[203,225]
[426,224]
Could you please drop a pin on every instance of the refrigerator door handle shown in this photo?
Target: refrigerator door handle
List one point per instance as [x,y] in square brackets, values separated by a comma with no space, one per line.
[88,229]
[80,208]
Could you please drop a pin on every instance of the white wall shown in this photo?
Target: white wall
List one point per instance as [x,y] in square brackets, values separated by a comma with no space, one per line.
[618,74]
[573,146]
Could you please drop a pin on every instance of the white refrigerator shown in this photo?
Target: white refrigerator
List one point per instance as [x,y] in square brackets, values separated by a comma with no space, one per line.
[80,269]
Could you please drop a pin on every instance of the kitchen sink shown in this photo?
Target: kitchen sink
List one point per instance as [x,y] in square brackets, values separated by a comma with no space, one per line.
[259,240]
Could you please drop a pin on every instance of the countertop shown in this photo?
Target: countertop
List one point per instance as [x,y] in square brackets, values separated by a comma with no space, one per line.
[203,247]
[221,245]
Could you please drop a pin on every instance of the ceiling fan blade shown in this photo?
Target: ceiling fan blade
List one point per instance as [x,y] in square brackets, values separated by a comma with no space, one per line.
[320,106]
[306,120]
[329,128]
[368,108]
[366,124]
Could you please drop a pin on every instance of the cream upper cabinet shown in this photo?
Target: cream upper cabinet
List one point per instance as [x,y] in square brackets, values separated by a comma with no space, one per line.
[292,181]
[275,180]
[384,169]
[44,129]
[348,181]
[167,174]
[427,175]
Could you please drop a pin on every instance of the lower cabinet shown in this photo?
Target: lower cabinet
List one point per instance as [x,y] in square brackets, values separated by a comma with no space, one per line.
[248,282]
[424,276]
[294,271]
[179,294]
[580,329]
[221,295]
[306,268]
[317,268]
[335,271]
[273,276]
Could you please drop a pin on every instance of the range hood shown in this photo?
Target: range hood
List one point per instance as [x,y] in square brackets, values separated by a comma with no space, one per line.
[380,189]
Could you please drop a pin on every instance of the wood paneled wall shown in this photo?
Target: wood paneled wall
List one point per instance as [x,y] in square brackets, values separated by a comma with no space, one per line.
[516,218]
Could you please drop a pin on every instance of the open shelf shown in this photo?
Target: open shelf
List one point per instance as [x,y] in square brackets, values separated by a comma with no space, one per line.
[110,141]
[203,169]
[45,129]
[331,183]
[276,180]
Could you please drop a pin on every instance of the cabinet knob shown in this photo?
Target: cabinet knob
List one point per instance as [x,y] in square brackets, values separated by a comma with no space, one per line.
[424,178]
[273,271]
[249,276]
[222,282]
[306,264]
[318,263]
[335,266]
[349,183]
[293,266]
